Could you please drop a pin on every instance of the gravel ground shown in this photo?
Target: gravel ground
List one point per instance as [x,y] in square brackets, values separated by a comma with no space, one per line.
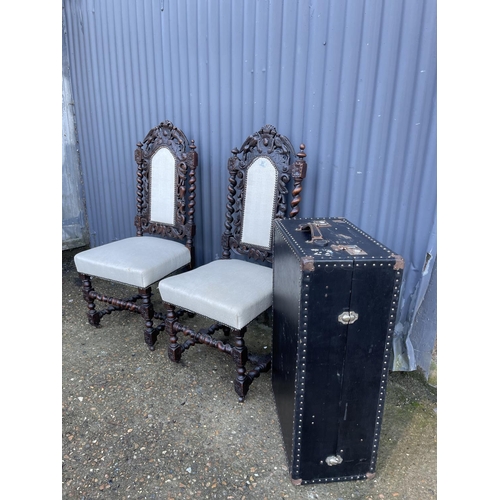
[135,425]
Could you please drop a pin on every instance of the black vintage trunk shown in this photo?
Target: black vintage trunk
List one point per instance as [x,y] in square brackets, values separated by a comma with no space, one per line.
[336,292]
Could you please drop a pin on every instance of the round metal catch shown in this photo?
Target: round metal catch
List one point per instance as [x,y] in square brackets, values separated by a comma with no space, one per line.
[348,317]
[333,460]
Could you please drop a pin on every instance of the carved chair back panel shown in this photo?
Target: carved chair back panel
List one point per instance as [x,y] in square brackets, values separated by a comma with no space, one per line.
[259,176]
[166,183]
[259,202]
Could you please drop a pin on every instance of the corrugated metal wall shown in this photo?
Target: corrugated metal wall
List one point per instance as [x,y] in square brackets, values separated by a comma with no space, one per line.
[354,80]
[74,224]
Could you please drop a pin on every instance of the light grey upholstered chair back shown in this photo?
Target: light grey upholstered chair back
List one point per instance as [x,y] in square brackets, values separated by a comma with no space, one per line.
[259,202]
[163,186]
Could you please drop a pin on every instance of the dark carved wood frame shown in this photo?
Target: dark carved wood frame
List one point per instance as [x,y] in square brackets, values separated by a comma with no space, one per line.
[268,143]
[166,135]
[186,161]
[278,149]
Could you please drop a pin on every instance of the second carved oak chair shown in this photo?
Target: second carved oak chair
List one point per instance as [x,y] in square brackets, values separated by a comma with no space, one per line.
[164,222]
[235,289]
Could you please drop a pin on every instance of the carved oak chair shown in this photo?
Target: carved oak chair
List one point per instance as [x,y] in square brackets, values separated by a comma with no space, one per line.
[235,289]
[165,228]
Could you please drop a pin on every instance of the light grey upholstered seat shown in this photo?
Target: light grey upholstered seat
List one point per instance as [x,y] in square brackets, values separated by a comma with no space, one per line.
[213,291]
[138,261]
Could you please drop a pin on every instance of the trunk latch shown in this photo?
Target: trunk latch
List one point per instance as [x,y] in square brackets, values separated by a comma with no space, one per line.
[333,460]
[348,317]
[350,249]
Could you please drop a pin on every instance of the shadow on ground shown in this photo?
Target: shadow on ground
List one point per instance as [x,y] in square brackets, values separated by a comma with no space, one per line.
[135,425]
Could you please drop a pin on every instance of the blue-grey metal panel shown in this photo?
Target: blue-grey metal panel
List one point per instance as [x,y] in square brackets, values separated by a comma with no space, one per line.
[354,80]
[74,222]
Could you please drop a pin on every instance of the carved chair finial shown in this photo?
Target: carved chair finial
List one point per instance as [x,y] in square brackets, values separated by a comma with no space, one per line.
[299,170]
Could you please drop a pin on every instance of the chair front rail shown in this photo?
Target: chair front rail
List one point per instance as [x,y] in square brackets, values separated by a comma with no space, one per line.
[204,336]
[117,304]
[238,352]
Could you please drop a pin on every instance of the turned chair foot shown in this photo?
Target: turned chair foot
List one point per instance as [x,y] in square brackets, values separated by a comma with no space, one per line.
[241,386]
[174,353]
[94,319]
[150,341]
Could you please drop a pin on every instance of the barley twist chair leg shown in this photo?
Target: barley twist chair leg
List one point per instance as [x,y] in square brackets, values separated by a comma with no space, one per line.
[174,348]
[240,357]
[147,312]
[93,316]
